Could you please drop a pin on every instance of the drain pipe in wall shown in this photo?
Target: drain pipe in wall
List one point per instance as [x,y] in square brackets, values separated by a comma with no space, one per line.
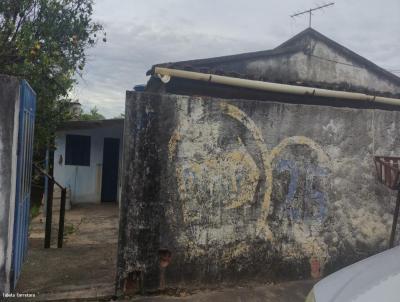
[165,75]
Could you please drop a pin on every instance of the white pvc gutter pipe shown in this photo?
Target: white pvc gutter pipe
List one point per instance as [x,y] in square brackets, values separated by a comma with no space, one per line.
[165,74]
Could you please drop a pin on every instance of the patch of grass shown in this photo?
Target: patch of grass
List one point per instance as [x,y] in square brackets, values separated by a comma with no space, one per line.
[69,230]
[35,211]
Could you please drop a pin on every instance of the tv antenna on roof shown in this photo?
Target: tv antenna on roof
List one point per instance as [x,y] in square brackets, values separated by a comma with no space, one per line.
[309,12]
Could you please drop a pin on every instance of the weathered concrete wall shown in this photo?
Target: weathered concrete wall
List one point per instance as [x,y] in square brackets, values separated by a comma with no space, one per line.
[313,62]
[243,190]
[9,108]
[321,64]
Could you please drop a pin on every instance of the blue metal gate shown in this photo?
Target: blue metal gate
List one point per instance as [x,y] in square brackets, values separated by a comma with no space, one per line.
[24,174]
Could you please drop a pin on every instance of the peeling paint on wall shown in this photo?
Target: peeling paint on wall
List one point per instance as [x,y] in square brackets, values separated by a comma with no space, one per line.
[311,194]
[217,172]
[247,190]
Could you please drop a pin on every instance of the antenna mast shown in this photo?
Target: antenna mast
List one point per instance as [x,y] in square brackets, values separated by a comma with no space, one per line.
[309,11]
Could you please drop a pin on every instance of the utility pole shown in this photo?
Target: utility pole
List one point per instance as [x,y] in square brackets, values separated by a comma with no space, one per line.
[309,12]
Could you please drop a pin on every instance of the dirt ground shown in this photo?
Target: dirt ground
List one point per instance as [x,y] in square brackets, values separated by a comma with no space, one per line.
[84,269]
[85,266]
[295,291]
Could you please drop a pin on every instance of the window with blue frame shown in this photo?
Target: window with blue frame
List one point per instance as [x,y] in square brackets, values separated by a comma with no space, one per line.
[77,150]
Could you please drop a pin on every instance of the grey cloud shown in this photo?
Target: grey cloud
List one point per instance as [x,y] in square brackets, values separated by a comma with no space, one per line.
[143,33]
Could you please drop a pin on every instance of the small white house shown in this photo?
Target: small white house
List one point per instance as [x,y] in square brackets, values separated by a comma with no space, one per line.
[88,158]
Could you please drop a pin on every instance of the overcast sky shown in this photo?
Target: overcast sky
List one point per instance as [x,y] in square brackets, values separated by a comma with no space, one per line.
[141,33]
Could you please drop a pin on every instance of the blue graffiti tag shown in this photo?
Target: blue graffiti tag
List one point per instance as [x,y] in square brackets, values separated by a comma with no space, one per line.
[312,172]
[286,165]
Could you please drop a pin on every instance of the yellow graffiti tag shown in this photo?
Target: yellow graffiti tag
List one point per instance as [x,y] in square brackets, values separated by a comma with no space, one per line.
[267,157]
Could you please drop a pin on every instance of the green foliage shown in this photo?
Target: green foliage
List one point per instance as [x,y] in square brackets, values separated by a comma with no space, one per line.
[69,229]
[44,41]
[35,211]
[92,115]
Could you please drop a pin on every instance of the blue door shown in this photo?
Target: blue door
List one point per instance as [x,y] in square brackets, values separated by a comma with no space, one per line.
[24,174]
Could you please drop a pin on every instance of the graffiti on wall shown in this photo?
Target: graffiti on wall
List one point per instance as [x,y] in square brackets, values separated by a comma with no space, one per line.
[313,195]
[225,177]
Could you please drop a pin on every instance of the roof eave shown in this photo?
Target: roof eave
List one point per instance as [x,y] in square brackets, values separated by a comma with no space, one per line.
[76,125]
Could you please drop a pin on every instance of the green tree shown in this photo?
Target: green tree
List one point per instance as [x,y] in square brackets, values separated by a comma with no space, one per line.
[92,115]
[44,41]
